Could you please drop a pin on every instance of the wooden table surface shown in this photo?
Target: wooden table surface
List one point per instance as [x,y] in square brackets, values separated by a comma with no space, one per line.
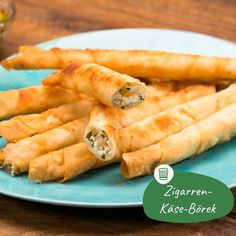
[37,21]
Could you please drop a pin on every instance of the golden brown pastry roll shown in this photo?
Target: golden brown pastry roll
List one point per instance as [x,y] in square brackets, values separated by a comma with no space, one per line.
[64,164]
[16,156]
[104,121]
[34,99]
[158,91]
[136,63]
[191,141]
[165,88]
[154,128]
[30,57]
[23,126]
[109,87]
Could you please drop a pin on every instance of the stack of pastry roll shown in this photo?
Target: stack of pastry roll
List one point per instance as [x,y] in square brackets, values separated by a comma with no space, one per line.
[34,99]
[77,77]
[16,156]
[189,142]
[106,123]
[106,142]
[71,161]
[23,126]
[104,114]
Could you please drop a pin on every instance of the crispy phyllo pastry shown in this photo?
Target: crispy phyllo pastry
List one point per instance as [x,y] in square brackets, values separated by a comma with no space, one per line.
[156,127]
[191,141]
[136,63]
[34,99]
[109,87]
[16,156]
[159,88]
[104,121]
[23,126]
[64,164]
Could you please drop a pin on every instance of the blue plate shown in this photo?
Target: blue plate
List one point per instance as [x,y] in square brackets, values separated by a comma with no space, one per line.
[106,187]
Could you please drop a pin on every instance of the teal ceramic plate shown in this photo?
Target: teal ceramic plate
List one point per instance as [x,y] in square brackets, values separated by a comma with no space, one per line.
[106,187]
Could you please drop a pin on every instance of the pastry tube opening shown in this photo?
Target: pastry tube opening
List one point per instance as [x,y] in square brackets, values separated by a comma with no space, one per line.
[141,162]
[34,100]
[104,123]
[154,128]
[191,141]
[129,95]
[108,87]
[23,126]
[100,132]
[163,65]
[101,142]
[64,164]
[17,156]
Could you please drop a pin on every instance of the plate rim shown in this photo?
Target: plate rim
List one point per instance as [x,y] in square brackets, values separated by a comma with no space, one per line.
[79,203]
[136,29]
[73,203]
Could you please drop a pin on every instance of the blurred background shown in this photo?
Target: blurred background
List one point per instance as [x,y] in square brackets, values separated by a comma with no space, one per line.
[37,21]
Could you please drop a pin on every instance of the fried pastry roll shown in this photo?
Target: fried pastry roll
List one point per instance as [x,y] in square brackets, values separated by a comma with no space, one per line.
[104,121]
[165,88]
[158,90]
[136,63]
[64,164]
[156,127]
[191,141]
[23,126]
[16,156]
[34,100]
[109,87]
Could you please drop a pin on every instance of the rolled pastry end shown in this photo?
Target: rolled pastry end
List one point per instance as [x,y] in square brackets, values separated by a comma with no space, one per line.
[141,162]
[130,95]
[125,170]
[11,168]
[12,63]
[100,144]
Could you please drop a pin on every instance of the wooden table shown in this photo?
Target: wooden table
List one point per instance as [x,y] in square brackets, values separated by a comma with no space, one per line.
[37,21]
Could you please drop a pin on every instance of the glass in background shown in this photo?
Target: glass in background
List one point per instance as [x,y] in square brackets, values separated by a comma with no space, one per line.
[7,13]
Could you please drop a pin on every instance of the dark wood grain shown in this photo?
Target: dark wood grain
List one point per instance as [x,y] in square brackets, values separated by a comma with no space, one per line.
[37,21]
[25,218]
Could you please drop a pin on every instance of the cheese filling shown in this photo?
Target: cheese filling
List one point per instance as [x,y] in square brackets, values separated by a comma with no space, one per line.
[11,168]
[128,96]
[99,143]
